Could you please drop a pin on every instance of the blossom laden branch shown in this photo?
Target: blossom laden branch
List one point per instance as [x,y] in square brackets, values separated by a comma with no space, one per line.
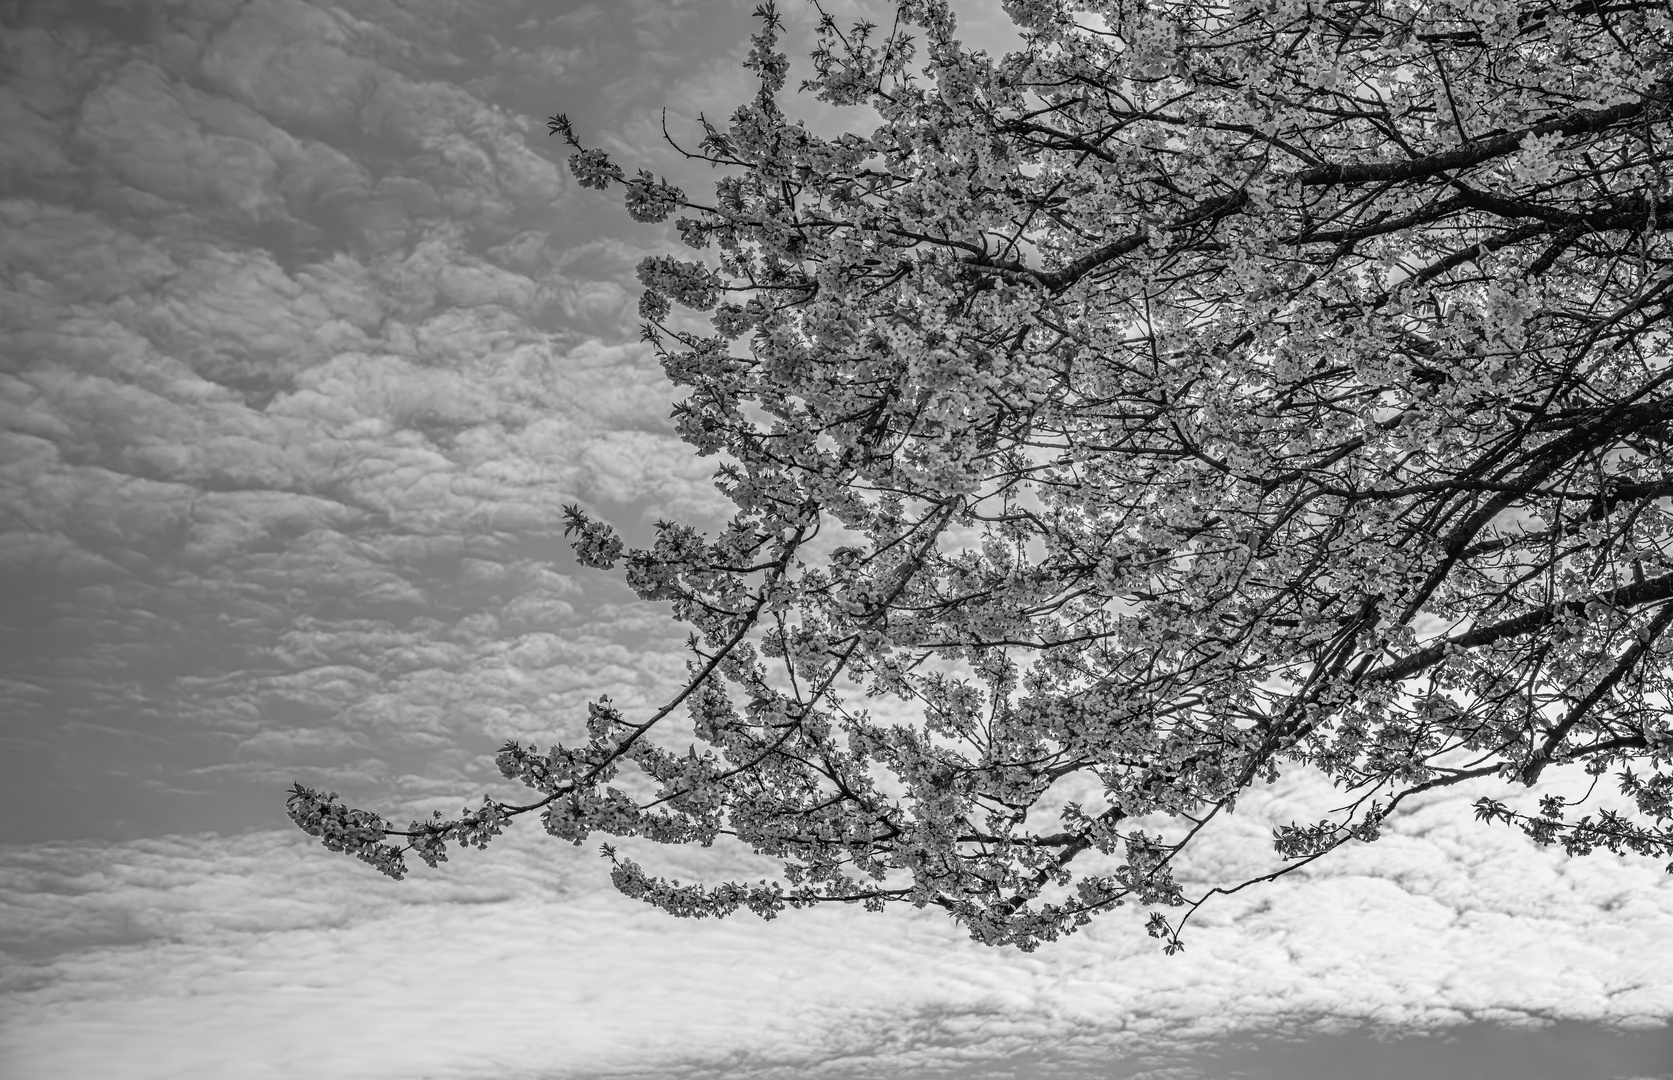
[1132,410]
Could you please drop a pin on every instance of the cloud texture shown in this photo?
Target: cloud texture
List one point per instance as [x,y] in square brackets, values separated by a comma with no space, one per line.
[258,956]
[305,339]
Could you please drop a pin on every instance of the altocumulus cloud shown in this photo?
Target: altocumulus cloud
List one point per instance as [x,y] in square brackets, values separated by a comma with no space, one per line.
[305,338]
[305,342]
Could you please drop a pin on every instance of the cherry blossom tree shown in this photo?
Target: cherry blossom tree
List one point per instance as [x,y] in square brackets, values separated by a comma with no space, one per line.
[1207,389]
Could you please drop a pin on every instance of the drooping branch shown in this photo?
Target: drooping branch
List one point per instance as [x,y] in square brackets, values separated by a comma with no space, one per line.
[1131,382]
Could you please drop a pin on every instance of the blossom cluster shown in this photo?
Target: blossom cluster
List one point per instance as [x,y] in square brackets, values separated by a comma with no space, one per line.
[354,832]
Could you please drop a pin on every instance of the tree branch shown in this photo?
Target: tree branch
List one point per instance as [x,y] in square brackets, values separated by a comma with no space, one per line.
[1476,151]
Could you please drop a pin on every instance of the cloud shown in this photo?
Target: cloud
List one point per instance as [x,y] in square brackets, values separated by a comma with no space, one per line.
[295,61]
[521,962]
[300,343]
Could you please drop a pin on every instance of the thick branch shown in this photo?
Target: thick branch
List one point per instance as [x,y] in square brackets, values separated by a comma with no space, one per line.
[1630,596]
[1542,756]
[1476,151]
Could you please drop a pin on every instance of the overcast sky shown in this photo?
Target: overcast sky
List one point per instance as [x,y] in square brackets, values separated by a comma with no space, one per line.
[305,337]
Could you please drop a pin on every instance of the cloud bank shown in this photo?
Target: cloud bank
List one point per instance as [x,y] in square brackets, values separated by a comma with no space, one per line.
[259,956]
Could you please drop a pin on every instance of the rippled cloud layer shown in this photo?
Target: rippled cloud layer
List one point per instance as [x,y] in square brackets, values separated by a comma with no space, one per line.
[305,339]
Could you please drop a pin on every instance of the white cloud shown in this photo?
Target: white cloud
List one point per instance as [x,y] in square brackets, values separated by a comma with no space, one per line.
[259,955]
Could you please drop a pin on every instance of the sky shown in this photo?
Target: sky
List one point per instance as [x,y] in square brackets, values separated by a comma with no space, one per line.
[306,336]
